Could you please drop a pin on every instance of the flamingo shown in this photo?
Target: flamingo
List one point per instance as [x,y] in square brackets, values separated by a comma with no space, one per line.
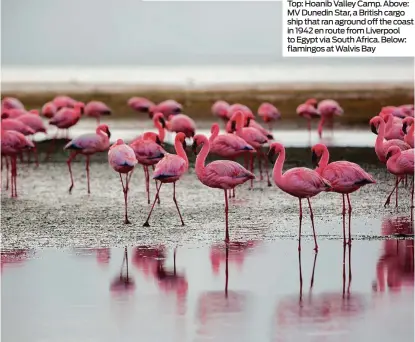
[169,170]
[48,110]
[181,123]
[11,102]
[169,107]
[299,182]
[121,158]
[250,122]
[63,101]
[148,149]
[220,174]
[409,135]
[141,105]
[88,144]
[13,143]
[14,113]
[96,109]
[220,110]
[15,125]
[328,109]
[407,109]
[237,107]
[394,111]
[308,110]
[345,177]
[400,163]
[393,127]
[269,113]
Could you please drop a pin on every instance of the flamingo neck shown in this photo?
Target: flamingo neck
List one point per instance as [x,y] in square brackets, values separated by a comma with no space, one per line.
[239,123]
[320,126]
[201,158]
[180,151]
[411,129]
[215,133]
[379,139]
[324,160]
[277,171]
[160,128]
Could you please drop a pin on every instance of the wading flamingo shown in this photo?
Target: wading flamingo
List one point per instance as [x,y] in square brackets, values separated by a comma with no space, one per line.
[88,144]
[96,109]
[299,182]
[13,143]
[121,158]
[48,110]
[308,110]
[148,149]
[400,163]
[220,110]
[141,105]
[377,126]
[345,177]
[328,109]
[409,134]
[269,113]
[181,123]
[169,107]
[169,170]
[220,174]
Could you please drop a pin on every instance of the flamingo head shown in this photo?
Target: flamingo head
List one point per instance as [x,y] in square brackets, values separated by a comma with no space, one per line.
[274,149]
[214,128]
[317,151]
[104,128]
[392,151]
[374,123]
[313,102]
[159,117]
[198,139]
[181,137]
[80,106]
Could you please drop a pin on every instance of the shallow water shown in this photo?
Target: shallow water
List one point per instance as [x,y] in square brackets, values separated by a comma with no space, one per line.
[248,292]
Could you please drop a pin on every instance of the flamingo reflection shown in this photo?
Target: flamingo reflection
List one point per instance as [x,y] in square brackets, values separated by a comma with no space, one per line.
[236,250]
[15,257]
[145,258]
[323,313]
[396,263]
[102,255]
[123,282]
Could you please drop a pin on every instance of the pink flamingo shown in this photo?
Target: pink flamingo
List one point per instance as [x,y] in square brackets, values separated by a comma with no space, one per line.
[15,125]
[269,113]
[88,144]
[400,163]
[65,118]
[13,143]
[408,109]
[220,174]
[345,177]
[254,138]
[148,149]
[14,113]
[122,159]
[393,110]
[299,182]
[11,102]
[393,127]
[250,122]
[141,105]
[237,107]
[169,170]
[409,135]
[377,126]
[220,110]
[328,109]
[169,107]
[96,109]
[308,110]
[48,110]
[181,123]
[63,101]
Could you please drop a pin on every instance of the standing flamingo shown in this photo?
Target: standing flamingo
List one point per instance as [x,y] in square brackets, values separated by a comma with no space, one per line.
[308,110]
[269,113]
[148,149]
[220,174]
[299,182]
[169,170]
[328,109]
[345,177]
[409,134]
[141,105]
[220,110]
[96,109]
[13,143]
[88,144]
[400,163]
[122,159]
[181,123]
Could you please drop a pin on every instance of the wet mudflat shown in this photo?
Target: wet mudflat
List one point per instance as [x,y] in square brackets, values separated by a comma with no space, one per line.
[250,291]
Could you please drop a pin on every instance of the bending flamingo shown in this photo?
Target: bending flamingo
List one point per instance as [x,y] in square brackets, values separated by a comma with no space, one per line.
[88,144]
[169,170]
[328,109]
[220,174]
[400,163]
[96,109]
[308,110]
[269,113]
[299,182]
[409,134]
[141,105]
[345,177]
[220,110]
[122,159]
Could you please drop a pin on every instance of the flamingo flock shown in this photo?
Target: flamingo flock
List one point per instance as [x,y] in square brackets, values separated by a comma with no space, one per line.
[245,137]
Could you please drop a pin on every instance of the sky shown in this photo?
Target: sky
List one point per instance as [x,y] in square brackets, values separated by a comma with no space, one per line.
[132,32]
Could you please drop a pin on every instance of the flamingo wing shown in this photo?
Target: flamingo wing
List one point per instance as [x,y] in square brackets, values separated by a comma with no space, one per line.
[405,161]
[147,149]
[346,174]
[90,141]
[304,182]
[170,166]
[225,174]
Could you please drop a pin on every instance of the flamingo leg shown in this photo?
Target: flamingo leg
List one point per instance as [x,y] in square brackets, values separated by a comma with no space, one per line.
[35,154]
[7,173]
[301,219]
[52,145]
[313,271]
[87,174]
[175,202]
[125,191]
[158,197]
[266,169]
[390,195]
[14,173]
[147,180]
[396,193]
[344,271]
[350,219]
[146,224]
[350,268]
[226,218]
[312,224]
[344,220]
[300,272]
[233,190]
[259,157]
[252,170]
[71,157]
[320,127]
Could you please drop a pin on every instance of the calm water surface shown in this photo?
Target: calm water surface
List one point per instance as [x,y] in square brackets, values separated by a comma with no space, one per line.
[250,291]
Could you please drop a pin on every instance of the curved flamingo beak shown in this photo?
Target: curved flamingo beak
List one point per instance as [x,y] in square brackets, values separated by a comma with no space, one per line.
[388,155]
[248,121]
[314,158]
[374,129]
[194,147]
[184,144]
[233,126]
[404,127]
[108,133]
[271,153]
[163,122]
